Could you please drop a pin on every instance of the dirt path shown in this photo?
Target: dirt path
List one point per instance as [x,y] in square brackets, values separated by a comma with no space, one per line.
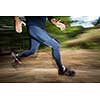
[42,68]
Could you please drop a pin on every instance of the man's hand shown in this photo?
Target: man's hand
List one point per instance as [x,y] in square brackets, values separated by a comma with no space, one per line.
[18,24]
[61,25]
[58,24]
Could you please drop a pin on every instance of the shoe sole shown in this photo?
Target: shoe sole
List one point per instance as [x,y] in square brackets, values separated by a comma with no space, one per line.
[68,73]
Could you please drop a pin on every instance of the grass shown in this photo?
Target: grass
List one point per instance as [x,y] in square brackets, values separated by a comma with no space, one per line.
[88,40]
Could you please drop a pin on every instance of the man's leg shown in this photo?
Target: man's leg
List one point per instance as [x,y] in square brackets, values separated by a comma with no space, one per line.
[55,52]
[33,47]
[42,36]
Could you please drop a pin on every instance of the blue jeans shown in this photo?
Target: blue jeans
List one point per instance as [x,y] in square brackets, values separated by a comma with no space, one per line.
[38,36]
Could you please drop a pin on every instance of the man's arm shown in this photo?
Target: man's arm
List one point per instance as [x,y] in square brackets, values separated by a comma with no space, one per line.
[18,24]
[19,20]
[57,23]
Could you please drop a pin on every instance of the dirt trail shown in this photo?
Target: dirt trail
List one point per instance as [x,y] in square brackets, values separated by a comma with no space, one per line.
[42,68]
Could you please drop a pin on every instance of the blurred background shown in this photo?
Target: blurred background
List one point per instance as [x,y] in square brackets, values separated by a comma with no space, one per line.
[81,32]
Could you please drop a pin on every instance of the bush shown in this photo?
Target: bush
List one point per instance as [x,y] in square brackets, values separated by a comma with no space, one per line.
[72,32]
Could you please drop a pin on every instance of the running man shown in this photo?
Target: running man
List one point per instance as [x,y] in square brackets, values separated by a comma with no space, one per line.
[36,28]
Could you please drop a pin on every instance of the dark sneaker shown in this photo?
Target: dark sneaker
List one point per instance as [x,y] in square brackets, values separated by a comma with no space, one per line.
[67,72]
[16,59]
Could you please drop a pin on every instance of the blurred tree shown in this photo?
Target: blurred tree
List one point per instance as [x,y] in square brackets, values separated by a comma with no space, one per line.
[6,20]
[97,22]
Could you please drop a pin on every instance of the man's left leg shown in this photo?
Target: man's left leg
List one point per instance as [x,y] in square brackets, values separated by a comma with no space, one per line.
[56,55]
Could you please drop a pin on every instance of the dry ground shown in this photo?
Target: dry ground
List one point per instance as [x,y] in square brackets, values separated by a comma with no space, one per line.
[41,67]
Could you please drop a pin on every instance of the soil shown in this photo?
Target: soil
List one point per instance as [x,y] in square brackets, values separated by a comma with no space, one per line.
[41,68]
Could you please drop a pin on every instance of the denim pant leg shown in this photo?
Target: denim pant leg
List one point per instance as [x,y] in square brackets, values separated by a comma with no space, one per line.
[55,52]
[33,47]
[42,36]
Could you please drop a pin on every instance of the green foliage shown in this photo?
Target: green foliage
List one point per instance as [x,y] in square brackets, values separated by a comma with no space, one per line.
[69,31]
[72,32]
[90,39]
[6,20]
[97,22]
